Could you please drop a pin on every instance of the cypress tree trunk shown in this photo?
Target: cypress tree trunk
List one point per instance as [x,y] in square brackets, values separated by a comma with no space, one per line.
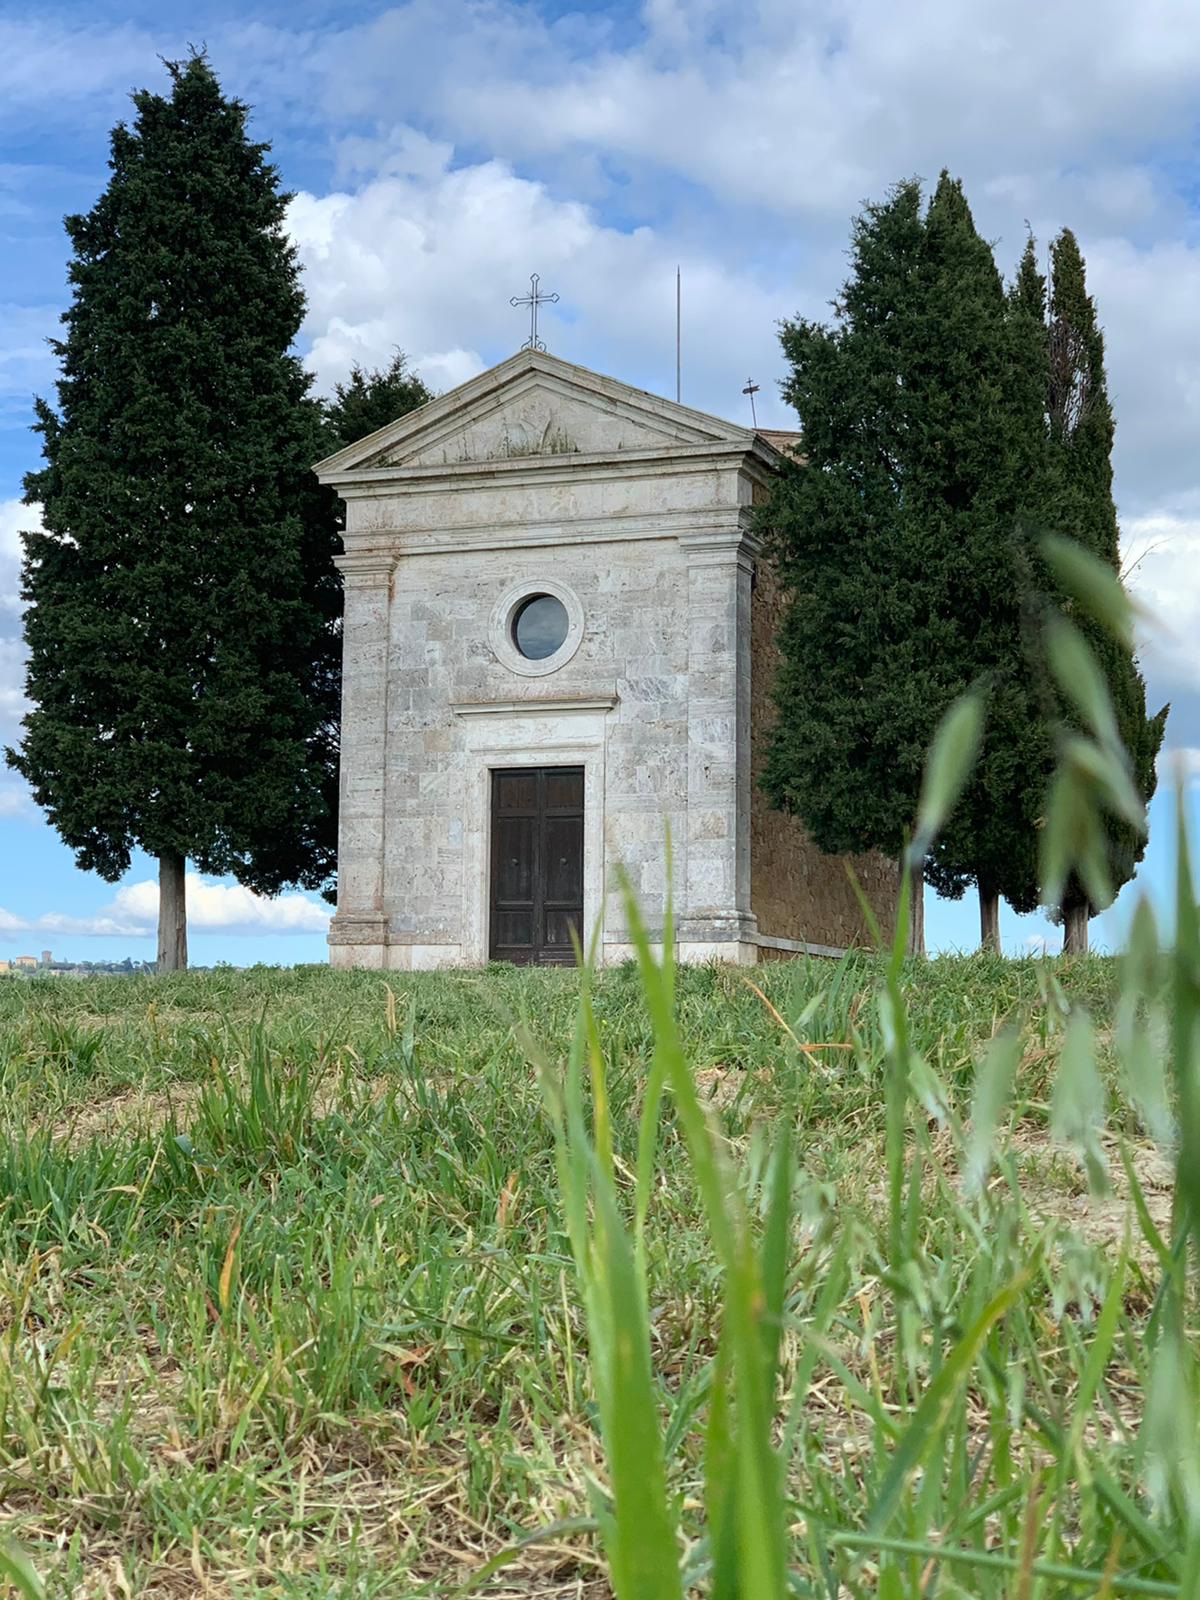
[1075,929]
[989,918]
[172,914]
[916,924]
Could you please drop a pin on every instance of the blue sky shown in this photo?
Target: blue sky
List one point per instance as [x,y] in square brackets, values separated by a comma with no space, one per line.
[440,152]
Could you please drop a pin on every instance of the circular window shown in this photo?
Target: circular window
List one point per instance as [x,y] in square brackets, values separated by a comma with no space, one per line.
[540,626]
[536,627]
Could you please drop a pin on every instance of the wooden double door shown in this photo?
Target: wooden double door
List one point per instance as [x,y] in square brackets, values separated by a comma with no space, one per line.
[537,864]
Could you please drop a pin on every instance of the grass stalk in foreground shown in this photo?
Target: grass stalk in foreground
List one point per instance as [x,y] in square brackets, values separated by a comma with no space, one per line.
[936,1502]
[640,1523]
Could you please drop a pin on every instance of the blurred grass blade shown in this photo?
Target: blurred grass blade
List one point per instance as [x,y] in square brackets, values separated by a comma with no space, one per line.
[1091,582]
[644,1553]
[17,1569]
[1078,1105]
[1185,1042]
[720,1482]
[992,1089]
[1081,680]
[776,1251]
[1093,1372]
[947,768]
[639,1529]
[762,1542]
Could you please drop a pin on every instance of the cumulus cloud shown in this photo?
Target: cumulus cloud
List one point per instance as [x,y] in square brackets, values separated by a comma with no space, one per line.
[1161,555]
[212,908]
[600,149]
[426,256]
[1146,297]
[226,907]
[746,139]
[801,109]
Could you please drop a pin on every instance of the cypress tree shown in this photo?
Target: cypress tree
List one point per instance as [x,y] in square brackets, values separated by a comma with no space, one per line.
[1079,491]
[183,601]
[901,542]
[981,466]
[856,682]
[371,399]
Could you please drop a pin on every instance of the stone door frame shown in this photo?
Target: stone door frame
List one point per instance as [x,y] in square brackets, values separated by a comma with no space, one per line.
[506,736]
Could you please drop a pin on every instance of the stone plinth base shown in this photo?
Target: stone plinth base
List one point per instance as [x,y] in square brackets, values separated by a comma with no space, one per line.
[367,941]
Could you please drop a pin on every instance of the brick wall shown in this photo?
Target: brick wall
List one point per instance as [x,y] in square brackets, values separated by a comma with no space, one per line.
[796,891]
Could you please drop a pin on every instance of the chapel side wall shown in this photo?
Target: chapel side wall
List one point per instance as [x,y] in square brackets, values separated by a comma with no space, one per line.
[796,891]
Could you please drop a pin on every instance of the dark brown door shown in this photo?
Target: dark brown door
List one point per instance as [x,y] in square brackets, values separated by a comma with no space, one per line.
[537,864]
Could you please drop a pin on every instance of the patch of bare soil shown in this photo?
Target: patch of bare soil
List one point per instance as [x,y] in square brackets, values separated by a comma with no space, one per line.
[130,1111]
[1055,1185]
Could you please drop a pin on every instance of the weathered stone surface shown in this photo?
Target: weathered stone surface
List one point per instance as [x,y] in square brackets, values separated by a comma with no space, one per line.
[635,512]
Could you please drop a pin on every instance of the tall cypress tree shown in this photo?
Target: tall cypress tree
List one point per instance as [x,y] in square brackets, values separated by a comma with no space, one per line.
[899,542]
[1080,499]
[854,686]
[183,600]
[979,461]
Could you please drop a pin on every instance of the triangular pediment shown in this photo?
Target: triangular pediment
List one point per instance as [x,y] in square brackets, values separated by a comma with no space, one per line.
[533,406]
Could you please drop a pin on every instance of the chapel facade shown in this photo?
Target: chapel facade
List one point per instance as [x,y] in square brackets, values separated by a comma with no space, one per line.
[559,644]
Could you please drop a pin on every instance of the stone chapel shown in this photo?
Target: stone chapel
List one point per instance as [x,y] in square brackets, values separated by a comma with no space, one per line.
[559,641]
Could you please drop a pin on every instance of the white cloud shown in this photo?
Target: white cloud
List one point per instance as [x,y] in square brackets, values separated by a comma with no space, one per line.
[46,65]
[15,800]
[747,135]
[800,109]
[418,256]
[1146,297]
[779,121]
[14,518]
[1161,555]
[211,908]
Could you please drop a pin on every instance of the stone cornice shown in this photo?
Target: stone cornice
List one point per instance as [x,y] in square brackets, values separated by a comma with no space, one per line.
[719,545]
[353,927]
[444,417]
[364,565]
[751,453]
[535,708]
[686,525]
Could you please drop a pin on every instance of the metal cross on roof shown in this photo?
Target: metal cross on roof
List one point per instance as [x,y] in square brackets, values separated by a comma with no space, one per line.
[533,300]
[752,389]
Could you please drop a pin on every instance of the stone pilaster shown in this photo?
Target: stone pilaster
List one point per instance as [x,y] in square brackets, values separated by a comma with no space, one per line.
[358,934]
[716,918]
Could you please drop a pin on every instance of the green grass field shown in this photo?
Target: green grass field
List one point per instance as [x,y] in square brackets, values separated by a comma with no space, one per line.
[287,1304]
